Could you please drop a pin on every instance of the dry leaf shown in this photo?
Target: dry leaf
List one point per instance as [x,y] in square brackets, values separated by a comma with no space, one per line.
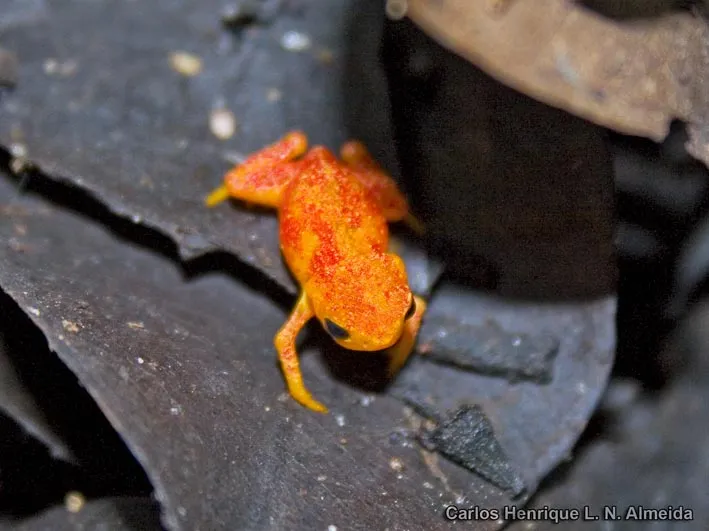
[632,75]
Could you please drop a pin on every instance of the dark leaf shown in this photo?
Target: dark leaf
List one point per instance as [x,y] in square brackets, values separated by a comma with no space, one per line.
[565,54]
[489,350]
[467,438]
[109,113]
[536,425]
[186,372]
[653,452]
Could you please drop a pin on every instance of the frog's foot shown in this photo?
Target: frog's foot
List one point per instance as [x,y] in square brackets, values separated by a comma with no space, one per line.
[304,398]
[217,196]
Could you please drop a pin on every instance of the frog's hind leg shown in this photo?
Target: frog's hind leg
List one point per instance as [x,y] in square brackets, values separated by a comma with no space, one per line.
[380,184]
[263,175]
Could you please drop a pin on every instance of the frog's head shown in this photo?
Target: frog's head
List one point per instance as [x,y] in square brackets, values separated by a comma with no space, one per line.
[363,304]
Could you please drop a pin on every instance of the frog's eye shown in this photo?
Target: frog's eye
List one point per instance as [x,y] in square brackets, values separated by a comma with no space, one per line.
[412,310]
[336,330]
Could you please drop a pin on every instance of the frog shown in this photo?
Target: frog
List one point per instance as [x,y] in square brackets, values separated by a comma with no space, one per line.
[333,216]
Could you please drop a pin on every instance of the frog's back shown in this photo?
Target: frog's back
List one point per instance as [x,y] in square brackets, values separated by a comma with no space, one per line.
[326,216]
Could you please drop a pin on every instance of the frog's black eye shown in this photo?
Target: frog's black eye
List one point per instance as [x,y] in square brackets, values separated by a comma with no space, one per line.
[336,330]
[411,311]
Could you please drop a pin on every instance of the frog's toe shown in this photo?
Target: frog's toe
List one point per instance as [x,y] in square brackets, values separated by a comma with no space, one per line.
[217,196]
[304,398]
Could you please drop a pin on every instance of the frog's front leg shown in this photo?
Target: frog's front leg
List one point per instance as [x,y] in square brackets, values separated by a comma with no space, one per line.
[285,345]
[399,353]
[263,176]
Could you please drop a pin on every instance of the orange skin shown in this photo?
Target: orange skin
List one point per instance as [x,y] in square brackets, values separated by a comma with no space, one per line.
[334,238]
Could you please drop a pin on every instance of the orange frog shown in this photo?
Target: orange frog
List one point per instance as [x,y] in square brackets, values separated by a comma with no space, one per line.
[334,237]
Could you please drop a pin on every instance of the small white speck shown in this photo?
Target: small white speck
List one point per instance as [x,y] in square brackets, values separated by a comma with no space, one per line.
[581,388]
[185,63]
[61,68]
[140,361]
[399,476]
[565,68]
[321,478]
[34,311]
[182,511]
[366,400]
[516,342]
[273,95]
[74,501]
[295,41]
[70,326]
[500,521]
[332,528]
[267,409]
[136,218]
[222,123]
[427,485]
[340,419]
[396,464]
[18,150]
[175,410]
[396,9]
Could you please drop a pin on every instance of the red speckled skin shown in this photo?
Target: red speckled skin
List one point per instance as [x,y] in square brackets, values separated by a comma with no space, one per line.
[334,238]
[327,201]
